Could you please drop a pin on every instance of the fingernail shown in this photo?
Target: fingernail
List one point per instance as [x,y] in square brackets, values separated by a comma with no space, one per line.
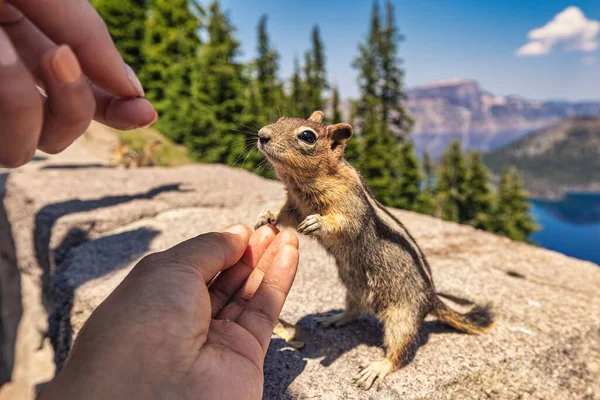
[135,81]
[8,54]
[152,122]
[9,14]
[236,229]
[65,66]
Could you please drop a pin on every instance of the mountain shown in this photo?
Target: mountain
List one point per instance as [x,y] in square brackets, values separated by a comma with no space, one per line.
[562,157]
[460,109]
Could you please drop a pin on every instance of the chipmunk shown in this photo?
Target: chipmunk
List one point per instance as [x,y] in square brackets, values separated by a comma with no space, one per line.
[384,270]
[122,155]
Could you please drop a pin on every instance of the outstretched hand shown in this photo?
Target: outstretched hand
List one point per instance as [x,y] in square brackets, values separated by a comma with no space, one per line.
[65,48]
[191,322]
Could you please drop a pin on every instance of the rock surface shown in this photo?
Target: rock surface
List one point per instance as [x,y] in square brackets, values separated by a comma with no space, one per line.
[78,229]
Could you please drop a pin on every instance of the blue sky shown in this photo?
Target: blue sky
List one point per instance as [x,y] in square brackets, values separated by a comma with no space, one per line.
[444,40]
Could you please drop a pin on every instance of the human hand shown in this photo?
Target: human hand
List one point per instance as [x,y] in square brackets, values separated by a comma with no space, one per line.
[65,48]
[165,332]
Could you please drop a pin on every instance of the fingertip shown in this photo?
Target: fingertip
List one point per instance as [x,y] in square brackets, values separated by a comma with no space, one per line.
[125,113]
[287,256]
[288,237]
[267,230]
[238,229]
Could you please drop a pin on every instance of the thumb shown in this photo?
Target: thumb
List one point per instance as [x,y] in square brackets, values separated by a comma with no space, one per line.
[212,252]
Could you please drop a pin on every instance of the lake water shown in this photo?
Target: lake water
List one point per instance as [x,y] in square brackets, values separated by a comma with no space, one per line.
[570,226]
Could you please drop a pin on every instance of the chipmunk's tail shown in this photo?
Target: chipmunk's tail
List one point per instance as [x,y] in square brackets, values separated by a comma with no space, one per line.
[476,321]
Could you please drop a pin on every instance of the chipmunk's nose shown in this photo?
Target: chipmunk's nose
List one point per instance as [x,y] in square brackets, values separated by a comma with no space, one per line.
[264,136]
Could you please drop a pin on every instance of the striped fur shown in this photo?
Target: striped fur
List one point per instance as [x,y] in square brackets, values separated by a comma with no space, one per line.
[380,263]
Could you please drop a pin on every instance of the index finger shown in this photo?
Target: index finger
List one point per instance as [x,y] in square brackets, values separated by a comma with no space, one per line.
[77,24]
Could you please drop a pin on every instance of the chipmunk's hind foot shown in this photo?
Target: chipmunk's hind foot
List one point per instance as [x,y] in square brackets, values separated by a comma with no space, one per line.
[336,319]
[373,373]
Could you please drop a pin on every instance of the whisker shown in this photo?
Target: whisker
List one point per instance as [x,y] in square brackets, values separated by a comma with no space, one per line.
[238,158]
[247,155]
[245,126]
[245,132]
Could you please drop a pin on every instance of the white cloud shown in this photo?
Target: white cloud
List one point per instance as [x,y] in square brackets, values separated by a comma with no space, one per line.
[588,60]
[569,29]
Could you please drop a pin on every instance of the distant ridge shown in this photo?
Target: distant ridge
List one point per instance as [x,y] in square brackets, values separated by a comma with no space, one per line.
[461,109]
[562,157]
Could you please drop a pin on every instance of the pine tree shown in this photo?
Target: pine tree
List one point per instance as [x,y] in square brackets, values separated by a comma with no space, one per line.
[267,67]
[478,198]
[170,51]
[512,218]
[295,107]
[317,79]
[125,20]
[428,167]
[306,105]
[353,148]
[409,195]
[427,197]
[382,159]
[218,90]
[336,113]
[392,94]
[451,185]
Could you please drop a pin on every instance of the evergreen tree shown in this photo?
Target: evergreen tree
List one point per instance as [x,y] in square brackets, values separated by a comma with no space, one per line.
[478,197]
[125,20]
[409,195]
[218,90]
[295,107]
[512,218]
[428,167]
[336,113]
[170,51]
[392,94]
[317,78]
[451,185]
[267,67]
[354,145]
[382,159]
[306,105]
[427,197]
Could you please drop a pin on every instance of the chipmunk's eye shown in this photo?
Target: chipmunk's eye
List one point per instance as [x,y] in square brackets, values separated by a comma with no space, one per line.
[308,137]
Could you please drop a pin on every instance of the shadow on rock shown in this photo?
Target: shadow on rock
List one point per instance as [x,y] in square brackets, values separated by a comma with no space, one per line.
[94,259]
[75,166]
[10,292]
[284,364]
[48,215]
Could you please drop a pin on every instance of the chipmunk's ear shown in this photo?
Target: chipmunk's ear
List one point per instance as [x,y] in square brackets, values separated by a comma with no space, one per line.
[339,134]
[317,117]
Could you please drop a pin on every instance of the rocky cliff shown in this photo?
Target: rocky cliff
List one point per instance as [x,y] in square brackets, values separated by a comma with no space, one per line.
[560,158]
[78,227]
[461,109]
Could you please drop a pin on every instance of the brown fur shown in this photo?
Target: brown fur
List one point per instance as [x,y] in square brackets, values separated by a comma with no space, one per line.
[135,159]
[379,262]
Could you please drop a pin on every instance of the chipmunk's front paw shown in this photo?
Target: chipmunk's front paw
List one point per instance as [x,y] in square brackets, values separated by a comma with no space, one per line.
[311,224]
[266,217]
